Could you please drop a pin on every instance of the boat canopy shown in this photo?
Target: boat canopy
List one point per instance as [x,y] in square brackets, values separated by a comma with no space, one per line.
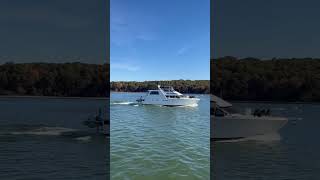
[168,90]
[220,102]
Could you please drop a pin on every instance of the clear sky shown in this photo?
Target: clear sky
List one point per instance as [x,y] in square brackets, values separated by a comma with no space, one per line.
[53,31]
[266,28]
[159,40]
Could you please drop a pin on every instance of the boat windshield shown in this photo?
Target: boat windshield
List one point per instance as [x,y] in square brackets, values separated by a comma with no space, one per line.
[224,111]
[154,92]
[217,112]
[172,96]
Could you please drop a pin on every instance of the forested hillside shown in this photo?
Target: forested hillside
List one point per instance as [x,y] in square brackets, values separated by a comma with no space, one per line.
[49,79]
[247,79]
[184,86]
[266,80]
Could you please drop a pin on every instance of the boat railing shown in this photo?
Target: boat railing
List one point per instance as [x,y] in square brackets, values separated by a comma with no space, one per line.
[163,93]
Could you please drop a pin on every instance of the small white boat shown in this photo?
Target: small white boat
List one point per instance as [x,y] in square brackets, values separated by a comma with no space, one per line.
[227,125]
[167,96]
[100,122]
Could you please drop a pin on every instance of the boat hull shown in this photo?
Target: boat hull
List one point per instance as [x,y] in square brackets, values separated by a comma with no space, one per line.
[172,102]
[225,128]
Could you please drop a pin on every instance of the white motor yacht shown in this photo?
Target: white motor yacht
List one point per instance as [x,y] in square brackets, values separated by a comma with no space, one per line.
[167,96]
[228,125]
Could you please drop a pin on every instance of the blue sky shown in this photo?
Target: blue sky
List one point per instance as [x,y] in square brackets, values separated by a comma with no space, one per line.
[266,29]
[53,31]
[159,40]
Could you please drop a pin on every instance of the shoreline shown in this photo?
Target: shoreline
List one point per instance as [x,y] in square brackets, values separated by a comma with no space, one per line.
[146,92]
[54,97]
[277,102]
[108,98]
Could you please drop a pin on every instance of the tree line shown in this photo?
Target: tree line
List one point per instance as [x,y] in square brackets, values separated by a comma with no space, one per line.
[51,79]
[183,86]
[266,80]
[232,78]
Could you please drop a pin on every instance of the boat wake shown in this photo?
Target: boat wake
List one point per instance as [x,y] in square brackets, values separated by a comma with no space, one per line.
[185,106]
[138,104]
[84,138]
[123,103]
[49,131]
[191,105]
[259,138]
[46,131]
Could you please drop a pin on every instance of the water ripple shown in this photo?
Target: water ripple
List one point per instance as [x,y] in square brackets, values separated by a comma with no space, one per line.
[159,142]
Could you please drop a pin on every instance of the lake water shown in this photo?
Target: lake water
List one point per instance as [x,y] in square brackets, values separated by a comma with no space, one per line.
[154,142]
[292,154]
[43,138]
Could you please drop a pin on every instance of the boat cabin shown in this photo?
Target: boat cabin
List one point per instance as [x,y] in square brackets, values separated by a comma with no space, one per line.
[167,92]
[167,96]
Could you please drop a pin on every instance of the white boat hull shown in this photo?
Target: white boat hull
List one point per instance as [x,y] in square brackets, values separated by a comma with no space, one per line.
[167,96]
[235,127]
[172,102]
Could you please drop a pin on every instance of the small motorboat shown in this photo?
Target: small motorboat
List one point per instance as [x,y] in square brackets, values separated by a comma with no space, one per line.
[100,122]
[227,124]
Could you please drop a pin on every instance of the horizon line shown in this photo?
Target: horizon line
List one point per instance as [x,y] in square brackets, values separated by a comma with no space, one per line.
[163,80]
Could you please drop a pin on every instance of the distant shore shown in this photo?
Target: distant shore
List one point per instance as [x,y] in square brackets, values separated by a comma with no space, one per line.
[146,91]
[276,102]
[54,97]
[107,98]
[275,80]
[183,86]
[54,79]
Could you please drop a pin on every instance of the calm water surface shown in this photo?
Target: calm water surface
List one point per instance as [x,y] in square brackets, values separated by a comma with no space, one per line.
[153,142]
[294,155]
[43,138]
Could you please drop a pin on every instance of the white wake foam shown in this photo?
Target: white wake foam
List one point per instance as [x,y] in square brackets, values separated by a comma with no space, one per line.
[259,138]
[192,105]
[84,138]
[123,103]
[266,137]
[186,106]
[49,131]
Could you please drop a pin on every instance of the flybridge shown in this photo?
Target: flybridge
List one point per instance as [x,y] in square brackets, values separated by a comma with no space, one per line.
[168,90]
